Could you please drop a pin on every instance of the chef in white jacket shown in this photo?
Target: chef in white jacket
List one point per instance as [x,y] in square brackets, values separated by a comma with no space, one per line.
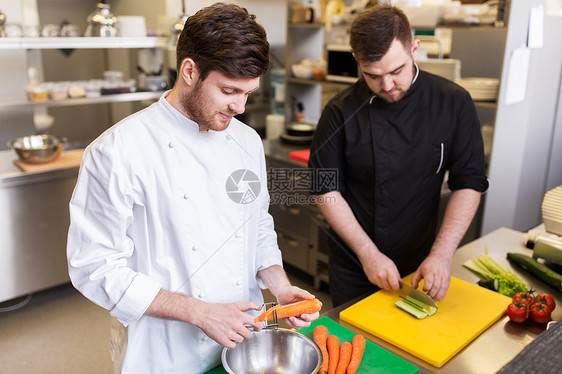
[170,229]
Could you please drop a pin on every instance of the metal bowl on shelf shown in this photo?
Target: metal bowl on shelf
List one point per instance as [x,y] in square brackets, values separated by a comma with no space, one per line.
[273,351]
[38,149]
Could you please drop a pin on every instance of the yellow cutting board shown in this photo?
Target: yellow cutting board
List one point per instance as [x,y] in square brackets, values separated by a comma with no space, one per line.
[465,313]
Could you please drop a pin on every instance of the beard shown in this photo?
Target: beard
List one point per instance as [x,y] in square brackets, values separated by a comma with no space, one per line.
[397,93]
[198,110]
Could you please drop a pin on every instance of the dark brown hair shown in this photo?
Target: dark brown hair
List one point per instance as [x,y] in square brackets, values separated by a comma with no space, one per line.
[372,32]
[226,38]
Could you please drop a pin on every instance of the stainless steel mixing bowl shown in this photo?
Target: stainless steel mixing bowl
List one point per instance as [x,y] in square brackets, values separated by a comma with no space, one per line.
[273,351]
[38,149]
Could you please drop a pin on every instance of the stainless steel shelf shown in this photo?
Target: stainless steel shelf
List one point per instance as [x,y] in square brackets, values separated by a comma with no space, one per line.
[315,81]
[135,96]
[302,25]
[82,43]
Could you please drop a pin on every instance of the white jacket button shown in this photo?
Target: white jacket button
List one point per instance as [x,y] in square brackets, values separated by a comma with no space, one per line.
[171,144]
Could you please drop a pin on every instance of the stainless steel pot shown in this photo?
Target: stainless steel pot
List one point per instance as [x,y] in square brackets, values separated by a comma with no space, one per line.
[2,23]
[102,22]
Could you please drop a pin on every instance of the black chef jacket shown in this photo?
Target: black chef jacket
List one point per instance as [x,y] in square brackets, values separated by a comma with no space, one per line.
[391,160]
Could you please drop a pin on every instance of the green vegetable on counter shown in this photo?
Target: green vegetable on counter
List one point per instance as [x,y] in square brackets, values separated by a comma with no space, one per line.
[491,284]
[488,270]
[415,307]
[534,267]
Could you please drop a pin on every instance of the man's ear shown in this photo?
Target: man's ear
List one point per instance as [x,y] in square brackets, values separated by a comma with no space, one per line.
[188,71]
[415,49]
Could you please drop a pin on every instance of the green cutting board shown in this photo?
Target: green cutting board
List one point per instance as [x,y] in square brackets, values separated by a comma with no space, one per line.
[375,359]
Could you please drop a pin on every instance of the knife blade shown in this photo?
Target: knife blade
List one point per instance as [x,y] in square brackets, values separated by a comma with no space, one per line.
[408,291]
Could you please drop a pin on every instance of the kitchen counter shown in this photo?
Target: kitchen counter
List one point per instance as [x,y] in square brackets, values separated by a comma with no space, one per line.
[275,149]
[34,223]
[11,175]
[501,342]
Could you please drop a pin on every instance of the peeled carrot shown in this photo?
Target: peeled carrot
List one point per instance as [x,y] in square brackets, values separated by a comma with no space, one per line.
[345,357]
[358,344]
[266,313]
[291,310]
[333,353]
[320,335]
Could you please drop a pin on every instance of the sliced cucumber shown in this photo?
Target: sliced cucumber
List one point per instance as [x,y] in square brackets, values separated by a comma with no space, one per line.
[491,284]
[411,308]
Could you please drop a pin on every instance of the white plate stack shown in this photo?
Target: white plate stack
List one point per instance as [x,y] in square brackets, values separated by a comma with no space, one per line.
[481,89]
[449,68]
[552,211]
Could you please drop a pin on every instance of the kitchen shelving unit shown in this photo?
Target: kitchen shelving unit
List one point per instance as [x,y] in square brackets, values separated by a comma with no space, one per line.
[34,256]
[33,45]
[81,42]
[12,103]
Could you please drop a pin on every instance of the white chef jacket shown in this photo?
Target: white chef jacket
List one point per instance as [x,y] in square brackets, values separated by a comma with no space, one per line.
[154,208]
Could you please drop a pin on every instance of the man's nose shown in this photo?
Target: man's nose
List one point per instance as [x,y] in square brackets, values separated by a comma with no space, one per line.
[238,105]
[387,83]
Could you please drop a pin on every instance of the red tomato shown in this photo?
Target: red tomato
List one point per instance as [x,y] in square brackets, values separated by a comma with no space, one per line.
[523,297]
[540,313]
[517,312]
[545,298]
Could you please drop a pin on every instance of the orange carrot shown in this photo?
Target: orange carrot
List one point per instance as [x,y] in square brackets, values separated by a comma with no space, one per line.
[268,312]
[333,353]
[358,344]
[345,357]
[320,335]
[291,310]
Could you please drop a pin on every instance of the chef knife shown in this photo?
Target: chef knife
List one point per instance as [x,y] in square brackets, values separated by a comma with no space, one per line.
[408,291]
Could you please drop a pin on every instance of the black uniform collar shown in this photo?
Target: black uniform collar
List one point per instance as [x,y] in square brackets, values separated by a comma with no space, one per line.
[412,88]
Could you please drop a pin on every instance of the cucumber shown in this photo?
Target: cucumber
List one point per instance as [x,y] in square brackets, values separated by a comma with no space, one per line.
[491,284]
[409,307]
[534,267]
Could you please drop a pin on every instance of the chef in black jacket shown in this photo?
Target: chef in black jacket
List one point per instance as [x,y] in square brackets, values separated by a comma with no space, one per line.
[391,138]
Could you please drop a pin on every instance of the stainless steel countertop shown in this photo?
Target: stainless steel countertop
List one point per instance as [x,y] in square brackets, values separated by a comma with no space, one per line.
[500,343]
[274,148]
[11,175]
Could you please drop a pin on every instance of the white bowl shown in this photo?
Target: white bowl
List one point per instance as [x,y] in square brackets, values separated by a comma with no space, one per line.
[301,71]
